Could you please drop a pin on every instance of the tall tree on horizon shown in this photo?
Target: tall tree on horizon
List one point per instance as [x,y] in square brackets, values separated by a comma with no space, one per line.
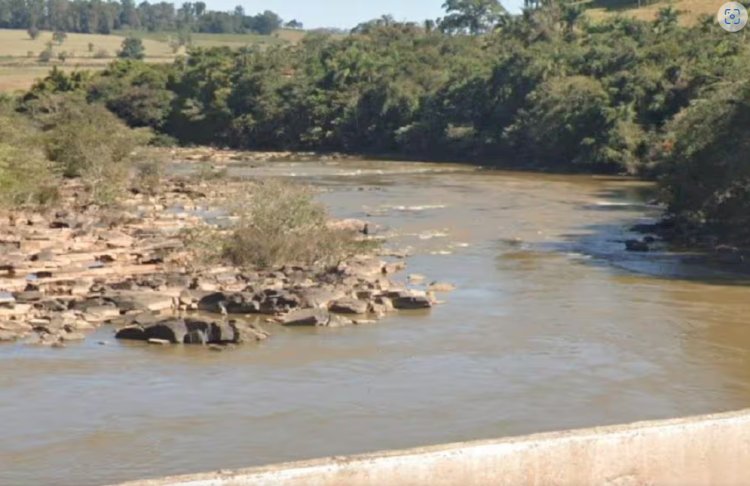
[471,16]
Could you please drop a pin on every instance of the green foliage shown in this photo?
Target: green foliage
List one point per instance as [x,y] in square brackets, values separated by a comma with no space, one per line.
[26,177]
[706,178]
[471,16]
[87,141]
[149,175]
[132,48]
[568,122]
[282,224]
[134,91]
[59,37]
[97,17]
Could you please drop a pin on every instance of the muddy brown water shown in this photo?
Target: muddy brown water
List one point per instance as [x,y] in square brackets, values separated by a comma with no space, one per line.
[553,326]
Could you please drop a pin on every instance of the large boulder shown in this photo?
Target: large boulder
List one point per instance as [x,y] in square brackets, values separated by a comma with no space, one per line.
[274,301]
[236,303]
[409,301]
[173,330]
[349,306]
[141,301]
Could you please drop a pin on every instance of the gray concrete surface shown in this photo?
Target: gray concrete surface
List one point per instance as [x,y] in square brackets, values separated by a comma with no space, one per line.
[704,450]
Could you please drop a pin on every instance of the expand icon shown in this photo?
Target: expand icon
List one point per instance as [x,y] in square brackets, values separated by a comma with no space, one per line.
[732,16]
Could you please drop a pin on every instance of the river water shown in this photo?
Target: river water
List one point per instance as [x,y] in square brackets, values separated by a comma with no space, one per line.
[553,326]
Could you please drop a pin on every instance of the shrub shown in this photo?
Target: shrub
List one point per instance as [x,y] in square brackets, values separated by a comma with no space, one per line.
[281,224]
[132,48]
[46,55]
[149,174]
[33,33]
[59,37]
[88,141]
[102,54]
[208,172]
[26,177]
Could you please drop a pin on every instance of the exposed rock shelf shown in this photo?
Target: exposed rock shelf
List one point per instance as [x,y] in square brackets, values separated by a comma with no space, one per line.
[67,273]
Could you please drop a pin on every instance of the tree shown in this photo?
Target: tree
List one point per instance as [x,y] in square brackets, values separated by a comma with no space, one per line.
[132,48]
[266,23]
[200,8]
[294,24]
[59,37]
[472,16]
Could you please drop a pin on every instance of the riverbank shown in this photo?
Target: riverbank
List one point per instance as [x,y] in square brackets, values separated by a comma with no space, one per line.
[66,272]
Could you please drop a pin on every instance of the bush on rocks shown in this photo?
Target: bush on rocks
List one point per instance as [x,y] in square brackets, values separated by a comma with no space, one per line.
[282,224]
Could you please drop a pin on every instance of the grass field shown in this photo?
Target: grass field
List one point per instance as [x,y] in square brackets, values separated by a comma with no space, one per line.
[19,54]
[690,10]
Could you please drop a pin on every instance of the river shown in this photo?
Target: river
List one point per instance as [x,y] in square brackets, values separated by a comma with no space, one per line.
[552,326]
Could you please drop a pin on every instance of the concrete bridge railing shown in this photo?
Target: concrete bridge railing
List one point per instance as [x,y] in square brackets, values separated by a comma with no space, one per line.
[704,450]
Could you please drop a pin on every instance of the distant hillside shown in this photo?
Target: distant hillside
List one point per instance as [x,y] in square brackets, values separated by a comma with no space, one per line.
[19,54]
[691,10]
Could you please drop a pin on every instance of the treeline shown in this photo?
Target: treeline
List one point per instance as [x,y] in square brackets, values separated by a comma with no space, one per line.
[546,89]
[100,17]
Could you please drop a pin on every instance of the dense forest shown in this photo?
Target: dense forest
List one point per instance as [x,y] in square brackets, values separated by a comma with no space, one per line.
[100,17]
[546,89]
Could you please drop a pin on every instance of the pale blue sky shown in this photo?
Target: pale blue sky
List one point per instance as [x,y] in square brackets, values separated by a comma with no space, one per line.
[343,13]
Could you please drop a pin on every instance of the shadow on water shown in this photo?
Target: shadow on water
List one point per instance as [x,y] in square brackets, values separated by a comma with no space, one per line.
[603,244]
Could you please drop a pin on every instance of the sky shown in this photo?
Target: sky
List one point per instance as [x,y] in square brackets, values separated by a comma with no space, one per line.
[343,13]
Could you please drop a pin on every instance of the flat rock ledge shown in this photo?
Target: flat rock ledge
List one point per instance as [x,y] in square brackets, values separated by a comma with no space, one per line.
[66,273]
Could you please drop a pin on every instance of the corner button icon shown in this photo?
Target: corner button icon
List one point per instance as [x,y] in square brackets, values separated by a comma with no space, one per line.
[732,17]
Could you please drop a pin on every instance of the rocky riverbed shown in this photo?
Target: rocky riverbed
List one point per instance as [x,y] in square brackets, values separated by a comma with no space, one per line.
[75,268]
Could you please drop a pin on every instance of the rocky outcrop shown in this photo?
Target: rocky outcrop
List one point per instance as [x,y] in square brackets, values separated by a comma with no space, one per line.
[66,273]
[192,331]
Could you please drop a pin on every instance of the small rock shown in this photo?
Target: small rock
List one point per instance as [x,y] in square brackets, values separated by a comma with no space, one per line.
[116,239]
[441,287]
[28,296]
[6,298]
[416,278]
[307,317]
